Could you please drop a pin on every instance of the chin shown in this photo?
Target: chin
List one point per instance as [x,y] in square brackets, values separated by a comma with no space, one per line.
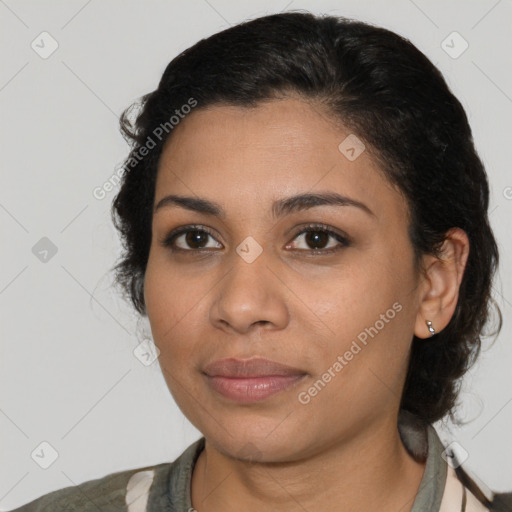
[257,441]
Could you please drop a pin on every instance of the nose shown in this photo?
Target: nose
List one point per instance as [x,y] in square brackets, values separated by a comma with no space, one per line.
[250,294]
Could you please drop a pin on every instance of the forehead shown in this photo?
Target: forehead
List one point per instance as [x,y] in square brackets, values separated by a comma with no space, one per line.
[244,156]
[289,127]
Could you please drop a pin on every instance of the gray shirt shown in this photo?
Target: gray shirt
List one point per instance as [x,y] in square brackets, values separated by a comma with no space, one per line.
[166,487]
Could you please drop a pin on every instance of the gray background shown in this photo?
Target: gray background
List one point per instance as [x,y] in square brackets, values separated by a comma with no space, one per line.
[69,375]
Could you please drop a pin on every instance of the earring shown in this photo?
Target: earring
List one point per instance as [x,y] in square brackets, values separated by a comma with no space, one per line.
[430,328]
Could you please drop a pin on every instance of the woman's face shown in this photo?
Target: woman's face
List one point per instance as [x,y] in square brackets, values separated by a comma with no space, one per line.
[338,304]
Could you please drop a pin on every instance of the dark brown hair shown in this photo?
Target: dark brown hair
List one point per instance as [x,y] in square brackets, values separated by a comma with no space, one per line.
[392,97]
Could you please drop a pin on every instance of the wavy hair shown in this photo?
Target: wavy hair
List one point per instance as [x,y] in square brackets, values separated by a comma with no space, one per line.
[387,92]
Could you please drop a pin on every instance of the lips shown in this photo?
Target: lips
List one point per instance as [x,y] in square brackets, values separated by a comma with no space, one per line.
[250,368]
[250,380]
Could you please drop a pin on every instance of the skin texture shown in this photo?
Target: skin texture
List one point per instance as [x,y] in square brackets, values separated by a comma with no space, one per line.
[341,450]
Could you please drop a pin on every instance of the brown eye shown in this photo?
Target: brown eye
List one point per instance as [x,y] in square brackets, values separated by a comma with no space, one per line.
[316,238]
[189,238]
[196,239]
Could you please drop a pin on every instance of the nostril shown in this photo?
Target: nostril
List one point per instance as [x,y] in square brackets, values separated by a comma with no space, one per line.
[262,322]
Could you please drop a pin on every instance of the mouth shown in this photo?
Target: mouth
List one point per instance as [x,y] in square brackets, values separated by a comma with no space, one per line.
[250,380]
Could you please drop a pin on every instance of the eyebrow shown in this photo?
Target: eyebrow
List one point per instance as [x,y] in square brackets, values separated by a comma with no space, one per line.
[280,207]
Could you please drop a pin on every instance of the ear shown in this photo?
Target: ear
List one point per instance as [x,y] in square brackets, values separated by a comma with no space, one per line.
[441,282]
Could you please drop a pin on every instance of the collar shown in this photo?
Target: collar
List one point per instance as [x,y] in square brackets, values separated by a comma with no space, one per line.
[440,488]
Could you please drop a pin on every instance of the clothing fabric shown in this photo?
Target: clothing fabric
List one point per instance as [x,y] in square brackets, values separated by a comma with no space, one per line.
[166,487]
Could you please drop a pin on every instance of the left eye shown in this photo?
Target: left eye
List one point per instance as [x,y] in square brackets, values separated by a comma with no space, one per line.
[318,237]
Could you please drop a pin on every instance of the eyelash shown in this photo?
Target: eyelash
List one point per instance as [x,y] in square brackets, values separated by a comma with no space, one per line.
[169,240]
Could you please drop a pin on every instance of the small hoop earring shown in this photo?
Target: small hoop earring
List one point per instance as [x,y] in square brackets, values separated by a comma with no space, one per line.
[430,328]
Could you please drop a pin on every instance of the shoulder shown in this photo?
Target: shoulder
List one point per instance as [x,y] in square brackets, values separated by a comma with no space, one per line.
[134,490]
[474,495]
[502,502]
[447,484]
[112,492]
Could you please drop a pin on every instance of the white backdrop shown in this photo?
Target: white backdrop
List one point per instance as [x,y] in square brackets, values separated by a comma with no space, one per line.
[69,375]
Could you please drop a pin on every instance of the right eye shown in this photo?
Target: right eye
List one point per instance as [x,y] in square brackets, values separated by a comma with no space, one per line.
[192,239]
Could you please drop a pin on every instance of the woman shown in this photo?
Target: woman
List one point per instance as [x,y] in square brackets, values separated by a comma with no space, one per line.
[305,226]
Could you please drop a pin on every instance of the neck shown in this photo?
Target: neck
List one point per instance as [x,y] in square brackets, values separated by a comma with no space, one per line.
[372,472]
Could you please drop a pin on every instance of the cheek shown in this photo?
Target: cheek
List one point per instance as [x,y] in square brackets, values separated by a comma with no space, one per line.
[157,297]
[175,306]
[365,355]
[365,310]
[170,310]
[164,302]
[354,295]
